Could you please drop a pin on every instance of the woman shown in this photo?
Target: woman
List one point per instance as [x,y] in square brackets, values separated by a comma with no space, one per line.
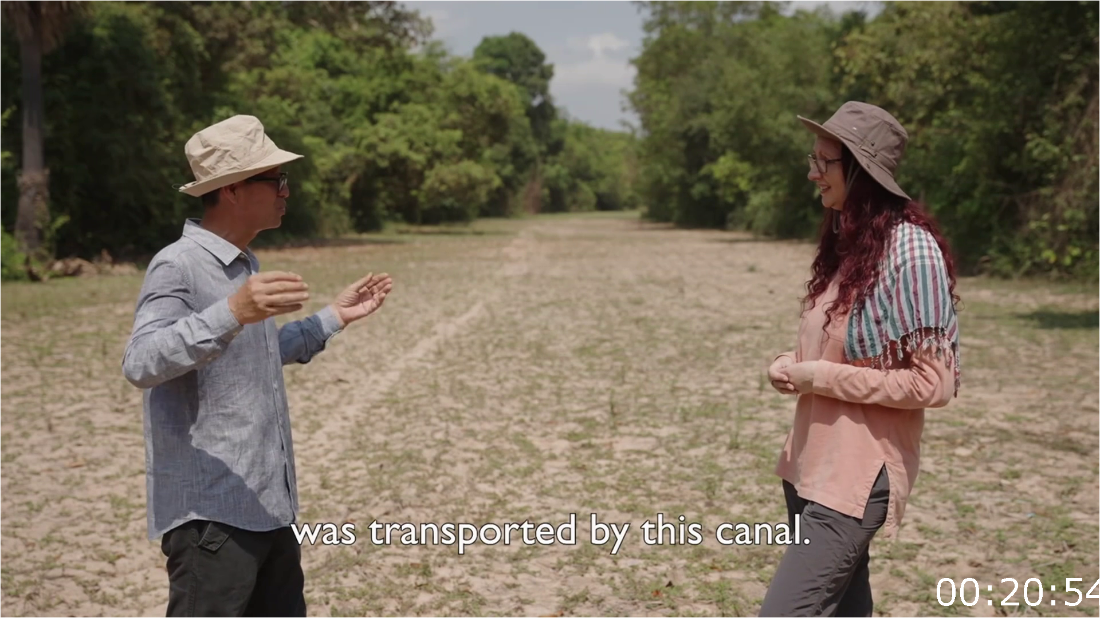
[877,344]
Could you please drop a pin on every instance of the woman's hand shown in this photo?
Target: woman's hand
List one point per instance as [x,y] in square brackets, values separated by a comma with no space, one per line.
[778,376]
[801,376]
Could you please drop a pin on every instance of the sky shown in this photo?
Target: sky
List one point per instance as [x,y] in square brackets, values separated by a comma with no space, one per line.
[589,43]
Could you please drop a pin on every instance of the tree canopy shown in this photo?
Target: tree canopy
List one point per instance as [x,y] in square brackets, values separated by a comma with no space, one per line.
[393,128]
[999,99]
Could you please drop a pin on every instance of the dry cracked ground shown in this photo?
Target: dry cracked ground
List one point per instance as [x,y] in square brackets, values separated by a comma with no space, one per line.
[531,369]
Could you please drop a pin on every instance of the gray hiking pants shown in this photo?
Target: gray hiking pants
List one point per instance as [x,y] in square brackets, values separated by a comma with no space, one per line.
[828,576]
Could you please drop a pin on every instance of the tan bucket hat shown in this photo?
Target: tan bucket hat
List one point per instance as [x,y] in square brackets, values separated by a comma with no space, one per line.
[874,137]
[230,151]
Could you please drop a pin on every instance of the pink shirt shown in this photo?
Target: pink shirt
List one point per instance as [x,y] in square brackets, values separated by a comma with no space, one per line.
[857,420]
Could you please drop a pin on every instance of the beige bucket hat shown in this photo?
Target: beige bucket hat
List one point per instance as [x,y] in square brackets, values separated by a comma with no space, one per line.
[230,151]
[874,137]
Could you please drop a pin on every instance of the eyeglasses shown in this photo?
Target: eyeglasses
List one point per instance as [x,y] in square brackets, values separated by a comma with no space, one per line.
[281,179]
[821,165]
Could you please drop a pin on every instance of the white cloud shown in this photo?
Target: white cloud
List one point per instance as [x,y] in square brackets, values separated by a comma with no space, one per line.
[871,7]
[603,64]
[598,43]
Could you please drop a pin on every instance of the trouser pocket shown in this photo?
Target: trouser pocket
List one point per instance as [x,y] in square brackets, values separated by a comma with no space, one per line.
[214,535]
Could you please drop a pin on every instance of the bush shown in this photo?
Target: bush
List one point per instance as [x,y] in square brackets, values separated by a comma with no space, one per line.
[12,260]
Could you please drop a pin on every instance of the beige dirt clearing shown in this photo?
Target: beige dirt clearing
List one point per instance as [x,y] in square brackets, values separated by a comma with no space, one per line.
[531,369]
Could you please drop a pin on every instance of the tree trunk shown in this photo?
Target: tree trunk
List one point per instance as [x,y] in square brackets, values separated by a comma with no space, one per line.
[33,217]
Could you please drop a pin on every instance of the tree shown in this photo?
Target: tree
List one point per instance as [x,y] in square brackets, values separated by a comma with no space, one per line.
[40,27]
[519,60]
[998,102]
[393,127]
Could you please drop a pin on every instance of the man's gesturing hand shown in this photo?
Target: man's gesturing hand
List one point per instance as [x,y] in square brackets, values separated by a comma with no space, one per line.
[268,294]
[362,298]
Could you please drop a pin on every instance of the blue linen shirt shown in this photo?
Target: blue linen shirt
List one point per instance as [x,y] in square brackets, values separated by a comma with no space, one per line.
[217,427]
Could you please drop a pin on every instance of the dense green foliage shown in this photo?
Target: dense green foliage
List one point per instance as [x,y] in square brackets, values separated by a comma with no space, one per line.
[999,99]
[393,129]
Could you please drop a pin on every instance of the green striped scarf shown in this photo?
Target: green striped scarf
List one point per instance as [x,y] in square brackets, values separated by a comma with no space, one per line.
[909,308]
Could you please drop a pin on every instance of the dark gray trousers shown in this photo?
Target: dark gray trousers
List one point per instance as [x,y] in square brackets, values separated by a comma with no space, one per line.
[828,576]
[218,570]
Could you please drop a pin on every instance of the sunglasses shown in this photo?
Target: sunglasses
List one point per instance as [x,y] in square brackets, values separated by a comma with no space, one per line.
[281,179]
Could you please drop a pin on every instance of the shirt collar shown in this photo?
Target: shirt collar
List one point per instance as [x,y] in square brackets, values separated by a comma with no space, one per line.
[216,245]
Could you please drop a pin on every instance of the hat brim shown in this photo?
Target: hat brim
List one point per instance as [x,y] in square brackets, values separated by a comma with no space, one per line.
[820,130]
[275,159]
[868,164]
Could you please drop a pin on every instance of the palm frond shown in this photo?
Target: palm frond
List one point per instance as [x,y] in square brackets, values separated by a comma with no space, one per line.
[48,19]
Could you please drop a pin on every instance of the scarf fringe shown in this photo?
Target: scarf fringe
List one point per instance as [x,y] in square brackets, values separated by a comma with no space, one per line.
[898,353]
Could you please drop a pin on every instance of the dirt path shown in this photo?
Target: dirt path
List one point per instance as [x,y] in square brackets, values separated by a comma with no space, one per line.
[530,370]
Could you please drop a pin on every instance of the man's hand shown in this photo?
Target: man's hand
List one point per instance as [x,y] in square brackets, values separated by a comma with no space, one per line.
[362,298]
[268,294]
[779,378]
[801,376]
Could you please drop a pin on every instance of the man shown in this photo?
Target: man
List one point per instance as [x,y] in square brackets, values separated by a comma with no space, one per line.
[220,476]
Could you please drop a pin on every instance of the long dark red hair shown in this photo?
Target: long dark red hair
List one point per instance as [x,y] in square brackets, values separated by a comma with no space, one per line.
[851,250]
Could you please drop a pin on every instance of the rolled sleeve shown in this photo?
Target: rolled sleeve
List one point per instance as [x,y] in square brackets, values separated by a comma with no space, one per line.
[330,322]
[302,340]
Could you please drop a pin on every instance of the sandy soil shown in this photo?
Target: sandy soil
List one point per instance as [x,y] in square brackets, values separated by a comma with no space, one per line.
[530,370]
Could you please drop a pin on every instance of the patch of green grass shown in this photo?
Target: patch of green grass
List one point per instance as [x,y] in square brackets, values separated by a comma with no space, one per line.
[724,596]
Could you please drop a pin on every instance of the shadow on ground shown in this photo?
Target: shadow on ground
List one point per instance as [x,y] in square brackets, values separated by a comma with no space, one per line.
[741,240]
[326,243]
[451,232]
[1065,320]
